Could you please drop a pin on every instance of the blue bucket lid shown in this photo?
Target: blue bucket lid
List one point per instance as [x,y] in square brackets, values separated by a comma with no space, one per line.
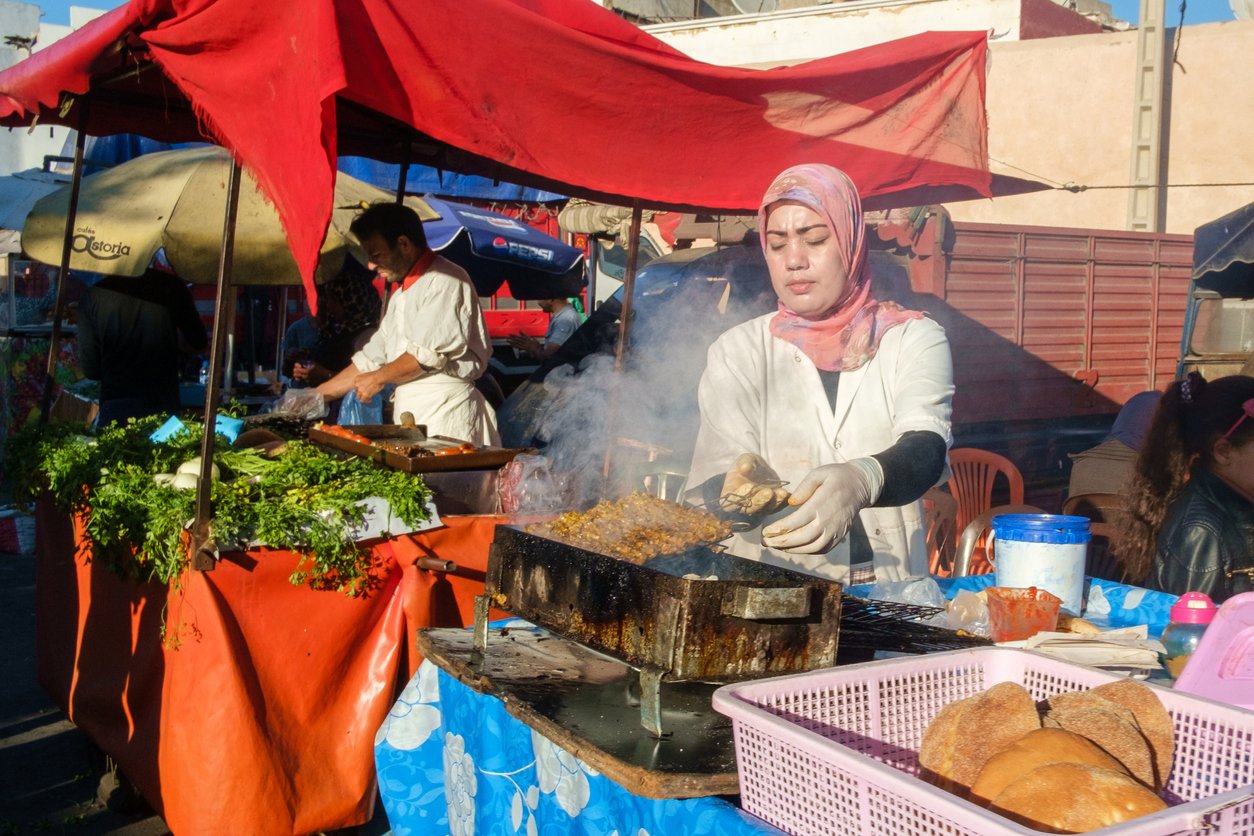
[1041,528]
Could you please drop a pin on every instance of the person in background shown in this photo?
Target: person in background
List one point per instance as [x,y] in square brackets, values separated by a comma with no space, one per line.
[846,398]
[348,314]
[1190,520]
[563,321]
[1107,467]
[131,330]
[298,343]
[433,340]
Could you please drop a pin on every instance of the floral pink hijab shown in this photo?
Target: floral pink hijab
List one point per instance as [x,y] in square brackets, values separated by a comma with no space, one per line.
[847,336]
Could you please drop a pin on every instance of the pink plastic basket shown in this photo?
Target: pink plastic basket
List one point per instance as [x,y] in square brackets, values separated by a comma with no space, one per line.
[836,751]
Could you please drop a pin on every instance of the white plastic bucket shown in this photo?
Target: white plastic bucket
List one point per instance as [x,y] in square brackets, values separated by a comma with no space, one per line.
[1047,551]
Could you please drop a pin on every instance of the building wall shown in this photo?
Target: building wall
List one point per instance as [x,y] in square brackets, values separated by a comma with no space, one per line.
[1061,110]
[792,36]
[21,149]
[18,149]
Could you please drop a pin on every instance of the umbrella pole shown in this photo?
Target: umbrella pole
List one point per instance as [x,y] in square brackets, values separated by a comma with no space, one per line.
[624,333]
[204,550]
[250,298]
[280,334]
[54,348]
[402,181]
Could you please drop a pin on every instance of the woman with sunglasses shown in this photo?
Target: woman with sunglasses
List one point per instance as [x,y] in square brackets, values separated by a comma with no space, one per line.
[1191,500]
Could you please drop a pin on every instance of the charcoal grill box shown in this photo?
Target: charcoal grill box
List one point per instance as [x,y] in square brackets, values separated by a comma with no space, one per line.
[752,620]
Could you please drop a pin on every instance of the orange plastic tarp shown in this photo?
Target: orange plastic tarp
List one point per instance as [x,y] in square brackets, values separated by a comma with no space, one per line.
[260,715]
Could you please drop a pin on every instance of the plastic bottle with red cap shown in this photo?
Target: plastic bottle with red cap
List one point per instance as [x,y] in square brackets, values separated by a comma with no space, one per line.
[1189,617]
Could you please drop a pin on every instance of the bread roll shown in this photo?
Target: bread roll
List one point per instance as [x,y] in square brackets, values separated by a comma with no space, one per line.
[1035,749]
[1075,798]
[1075,624]
[966,733]
[1114,729]
[1152,719]
[1076,700]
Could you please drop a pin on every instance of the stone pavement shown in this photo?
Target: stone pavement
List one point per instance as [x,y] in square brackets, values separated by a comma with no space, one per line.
[49,771]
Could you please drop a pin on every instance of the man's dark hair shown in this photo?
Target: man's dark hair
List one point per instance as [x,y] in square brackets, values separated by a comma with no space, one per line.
[390,221]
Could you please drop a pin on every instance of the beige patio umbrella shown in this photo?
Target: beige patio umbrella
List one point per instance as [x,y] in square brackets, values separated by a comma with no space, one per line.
[175,200]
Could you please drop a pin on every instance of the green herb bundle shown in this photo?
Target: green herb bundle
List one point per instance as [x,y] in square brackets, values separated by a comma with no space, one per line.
[304,500]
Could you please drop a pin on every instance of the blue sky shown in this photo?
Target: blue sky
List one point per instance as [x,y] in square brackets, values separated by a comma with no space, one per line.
[1198,11]
[58,11]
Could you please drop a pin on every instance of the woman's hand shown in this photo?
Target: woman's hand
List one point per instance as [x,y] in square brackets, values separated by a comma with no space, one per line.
[752,487]
[827,500]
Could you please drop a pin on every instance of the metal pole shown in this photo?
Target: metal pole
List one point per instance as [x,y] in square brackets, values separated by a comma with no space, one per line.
[624,333]
[401,181]
[63,273]
[250,297]
[280,334]
[629,287]
[204,550]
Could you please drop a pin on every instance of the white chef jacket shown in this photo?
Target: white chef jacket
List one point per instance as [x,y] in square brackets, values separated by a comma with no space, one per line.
[760,394]
[438,320]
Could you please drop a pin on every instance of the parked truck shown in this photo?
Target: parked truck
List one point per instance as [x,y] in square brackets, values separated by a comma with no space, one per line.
[1052,329]
[1219,323]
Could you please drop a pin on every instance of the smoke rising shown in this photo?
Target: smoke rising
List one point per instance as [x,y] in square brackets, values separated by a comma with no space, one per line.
[646,414]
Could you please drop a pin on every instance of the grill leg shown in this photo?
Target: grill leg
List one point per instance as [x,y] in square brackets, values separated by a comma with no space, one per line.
[651,701]
[482,603]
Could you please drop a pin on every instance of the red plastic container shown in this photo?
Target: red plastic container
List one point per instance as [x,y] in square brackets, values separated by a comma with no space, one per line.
[1015,614]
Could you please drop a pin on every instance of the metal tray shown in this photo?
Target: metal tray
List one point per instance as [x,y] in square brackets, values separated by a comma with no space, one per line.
[486,458]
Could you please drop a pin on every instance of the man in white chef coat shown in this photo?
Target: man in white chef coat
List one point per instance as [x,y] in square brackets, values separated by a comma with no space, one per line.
[433,341]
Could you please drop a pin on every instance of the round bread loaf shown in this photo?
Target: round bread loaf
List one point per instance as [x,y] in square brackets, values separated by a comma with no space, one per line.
[966,733]
[1152,719]
[1075,798]
[1111,727]
[1036,749]
[1076,700]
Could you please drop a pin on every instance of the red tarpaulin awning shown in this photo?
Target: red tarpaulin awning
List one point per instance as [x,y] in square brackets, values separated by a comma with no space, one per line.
[558,94]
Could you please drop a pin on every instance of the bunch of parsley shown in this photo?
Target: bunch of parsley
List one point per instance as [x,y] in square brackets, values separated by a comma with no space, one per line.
[305,500]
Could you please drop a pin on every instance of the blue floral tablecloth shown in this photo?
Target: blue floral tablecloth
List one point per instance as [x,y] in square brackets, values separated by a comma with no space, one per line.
[453,761]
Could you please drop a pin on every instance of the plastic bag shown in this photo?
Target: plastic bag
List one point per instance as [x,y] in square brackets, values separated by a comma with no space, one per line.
[967,611]
[528,484]
[353,411]
[921,591]
[307,404]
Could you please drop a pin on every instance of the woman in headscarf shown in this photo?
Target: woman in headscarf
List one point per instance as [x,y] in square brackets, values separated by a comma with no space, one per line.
[843,398]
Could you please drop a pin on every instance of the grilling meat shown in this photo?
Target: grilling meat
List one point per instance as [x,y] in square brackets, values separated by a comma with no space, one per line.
[635,528]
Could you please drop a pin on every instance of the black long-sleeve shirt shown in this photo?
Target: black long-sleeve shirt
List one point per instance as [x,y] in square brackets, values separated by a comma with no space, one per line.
[128,339]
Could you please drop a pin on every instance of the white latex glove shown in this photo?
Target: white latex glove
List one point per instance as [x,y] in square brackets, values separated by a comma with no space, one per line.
[827,500]
[752,487]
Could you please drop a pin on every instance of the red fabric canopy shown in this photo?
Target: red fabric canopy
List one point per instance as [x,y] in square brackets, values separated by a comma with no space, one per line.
[558,94]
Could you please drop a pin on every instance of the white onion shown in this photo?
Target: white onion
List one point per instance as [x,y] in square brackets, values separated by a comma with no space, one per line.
[185,481]
[192,466]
